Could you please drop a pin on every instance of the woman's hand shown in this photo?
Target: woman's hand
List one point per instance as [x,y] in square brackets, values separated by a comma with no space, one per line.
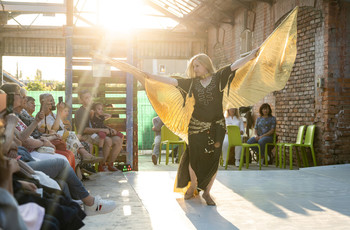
[28,186]
[11,118]
[47,143]
[107,116]
[51,137]
[106,131]
[45,106]
[257,138]
[114,132]
[39,116]
[60,108]
[255,52]
[12,153]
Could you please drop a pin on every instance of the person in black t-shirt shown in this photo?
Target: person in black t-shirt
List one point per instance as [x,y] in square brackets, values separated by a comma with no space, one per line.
[97,120]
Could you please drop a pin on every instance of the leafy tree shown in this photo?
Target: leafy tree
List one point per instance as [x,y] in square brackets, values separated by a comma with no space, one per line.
[37,86]
[59,86]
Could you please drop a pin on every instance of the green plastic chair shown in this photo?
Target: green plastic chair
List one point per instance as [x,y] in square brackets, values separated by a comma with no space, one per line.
[169,138]
[266,148]
[308,142]
[282,146]
[234,139]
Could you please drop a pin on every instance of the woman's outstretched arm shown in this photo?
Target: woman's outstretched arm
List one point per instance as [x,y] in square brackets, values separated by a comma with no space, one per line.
[240,62]
[166,80]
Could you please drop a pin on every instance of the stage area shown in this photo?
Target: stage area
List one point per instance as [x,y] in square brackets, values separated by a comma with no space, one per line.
[309,198]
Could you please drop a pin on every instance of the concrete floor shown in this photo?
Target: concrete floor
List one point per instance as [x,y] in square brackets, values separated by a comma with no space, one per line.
[309,198]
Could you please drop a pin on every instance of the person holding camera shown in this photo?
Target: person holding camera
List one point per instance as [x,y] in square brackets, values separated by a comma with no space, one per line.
[53,124]
[38,148]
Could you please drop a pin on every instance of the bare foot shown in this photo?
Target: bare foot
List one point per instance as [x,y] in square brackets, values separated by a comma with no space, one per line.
[207,198]
[189,194]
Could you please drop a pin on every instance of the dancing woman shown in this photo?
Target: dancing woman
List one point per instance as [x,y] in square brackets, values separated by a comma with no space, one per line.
[206,129]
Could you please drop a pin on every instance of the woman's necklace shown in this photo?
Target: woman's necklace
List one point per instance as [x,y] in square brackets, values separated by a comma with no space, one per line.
[205,80]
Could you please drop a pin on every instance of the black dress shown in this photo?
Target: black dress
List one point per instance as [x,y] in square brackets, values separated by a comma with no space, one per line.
[206,127]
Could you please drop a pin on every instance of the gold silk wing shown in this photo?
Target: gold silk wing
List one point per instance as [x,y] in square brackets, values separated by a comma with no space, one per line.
[269,71]
[167,101]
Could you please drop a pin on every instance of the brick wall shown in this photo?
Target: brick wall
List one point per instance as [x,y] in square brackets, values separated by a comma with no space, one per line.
[333,100]
[323,52]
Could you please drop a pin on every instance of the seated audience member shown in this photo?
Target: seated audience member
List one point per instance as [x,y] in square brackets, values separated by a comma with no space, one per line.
[232,118]
[26,114]
[265,127]
[29,106]
[97,121]
[112,145]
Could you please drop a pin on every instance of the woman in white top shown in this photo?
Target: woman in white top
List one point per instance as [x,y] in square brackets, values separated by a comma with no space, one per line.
[232,118]
[53,124]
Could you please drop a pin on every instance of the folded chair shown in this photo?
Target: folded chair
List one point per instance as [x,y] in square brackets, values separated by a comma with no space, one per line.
[169,138]
[234,139]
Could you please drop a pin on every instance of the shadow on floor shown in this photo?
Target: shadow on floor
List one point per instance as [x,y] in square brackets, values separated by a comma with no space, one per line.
[300,191]
[207,218]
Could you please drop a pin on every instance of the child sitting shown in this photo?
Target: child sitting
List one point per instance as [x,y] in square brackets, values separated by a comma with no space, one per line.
[97,121]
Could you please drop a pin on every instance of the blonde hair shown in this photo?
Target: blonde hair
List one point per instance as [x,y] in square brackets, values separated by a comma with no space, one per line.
[43,96]
[204,60]
[235,114]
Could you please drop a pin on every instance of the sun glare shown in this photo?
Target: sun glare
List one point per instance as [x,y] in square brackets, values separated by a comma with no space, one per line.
[121,15]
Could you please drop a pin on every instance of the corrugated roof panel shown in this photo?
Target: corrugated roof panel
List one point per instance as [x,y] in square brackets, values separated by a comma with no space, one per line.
[180,8]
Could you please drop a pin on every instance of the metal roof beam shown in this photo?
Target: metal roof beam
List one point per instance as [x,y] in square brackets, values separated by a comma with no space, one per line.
[163,11]
[29,7]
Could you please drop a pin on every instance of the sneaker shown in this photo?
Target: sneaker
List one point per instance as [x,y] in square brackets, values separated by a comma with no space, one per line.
[154,159]
[237,163]
[100,206]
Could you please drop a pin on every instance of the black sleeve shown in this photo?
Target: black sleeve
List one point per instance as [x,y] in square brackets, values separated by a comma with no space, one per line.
[184,84]
[225,75]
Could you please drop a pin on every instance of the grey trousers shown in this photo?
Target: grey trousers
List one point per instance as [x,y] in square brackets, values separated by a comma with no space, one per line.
[157,140]
[60,170]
